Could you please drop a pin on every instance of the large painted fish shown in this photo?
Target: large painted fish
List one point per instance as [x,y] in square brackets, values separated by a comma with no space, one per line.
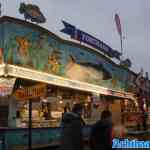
[86,71]
[32,12]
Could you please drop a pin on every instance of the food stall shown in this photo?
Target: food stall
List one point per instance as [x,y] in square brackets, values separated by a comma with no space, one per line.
[68,73]
[48,106]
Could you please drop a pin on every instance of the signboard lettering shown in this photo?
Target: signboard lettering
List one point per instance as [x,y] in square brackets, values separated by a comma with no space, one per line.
[90,40]
[31,92]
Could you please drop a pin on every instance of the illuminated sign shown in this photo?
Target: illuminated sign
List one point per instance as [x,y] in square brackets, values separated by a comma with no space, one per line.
[4,90]
[21,72]
[6,86]
[31,92]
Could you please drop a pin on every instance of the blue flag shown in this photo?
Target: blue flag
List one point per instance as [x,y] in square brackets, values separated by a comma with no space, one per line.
[90,40]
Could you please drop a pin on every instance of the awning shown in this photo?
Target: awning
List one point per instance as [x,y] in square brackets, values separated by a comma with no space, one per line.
[20,72]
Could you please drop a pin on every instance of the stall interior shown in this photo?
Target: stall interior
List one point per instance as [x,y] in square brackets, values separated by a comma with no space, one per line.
[49,102]
[132,116]
[48,108]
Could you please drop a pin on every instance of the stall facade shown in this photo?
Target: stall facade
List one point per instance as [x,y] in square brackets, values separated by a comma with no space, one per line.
[53,72]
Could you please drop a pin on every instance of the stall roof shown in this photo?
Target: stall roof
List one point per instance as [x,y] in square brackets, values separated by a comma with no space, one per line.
[32,25]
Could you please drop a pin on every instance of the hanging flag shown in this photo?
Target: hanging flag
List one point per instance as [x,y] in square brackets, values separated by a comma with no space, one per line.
[118,24]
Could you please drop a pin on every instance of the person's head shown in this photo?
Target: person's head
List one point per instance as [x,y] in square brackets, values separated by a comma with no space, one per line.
[106,115]
[67,104]
[65,109]
[77,108]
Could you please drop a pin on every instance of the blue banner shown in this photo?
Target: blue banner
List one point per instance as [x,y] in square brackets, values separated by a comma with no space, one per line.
[90,40]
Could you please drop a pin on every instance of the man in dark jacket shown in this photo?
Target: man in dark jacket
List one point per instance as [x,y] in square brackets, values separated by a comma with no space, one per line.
[101,133]
[72,123]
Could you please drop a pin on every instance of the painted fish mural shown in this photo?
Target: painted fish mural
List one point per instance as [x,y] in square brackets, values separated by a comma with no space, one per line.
[32,48]
[86,71]
[32,12]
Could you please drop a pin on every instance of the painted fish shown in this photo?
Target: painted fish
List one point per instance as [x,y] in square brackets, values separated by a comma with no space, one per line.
[86,71]
[32,12]
[98,67]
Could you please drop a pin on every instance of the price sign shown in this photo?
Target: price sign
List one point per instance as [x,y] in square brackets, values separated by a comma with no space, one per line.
[31,92]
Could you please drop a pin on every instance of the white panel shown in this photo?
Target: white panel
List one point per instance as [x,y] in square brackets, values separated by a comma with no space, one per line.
[25,73]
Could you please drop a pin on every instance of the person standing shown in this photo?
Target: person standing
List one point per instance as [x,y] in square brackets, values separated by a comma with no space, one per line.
[144,119]
[101,132]
[71,129]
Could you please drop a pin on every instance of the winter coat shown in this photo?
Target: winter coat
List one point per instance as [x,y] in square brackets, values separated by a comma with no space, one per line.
[71,135]
[101,135]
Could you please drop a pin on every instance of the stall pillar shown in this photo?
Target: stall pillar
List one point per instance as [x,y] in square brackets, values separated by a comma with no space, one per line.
[30,126]
[12,112]
[115,108]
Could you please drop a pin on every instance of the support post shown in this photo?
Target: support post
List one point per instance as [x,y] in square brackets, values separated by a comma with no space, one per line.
[30,126]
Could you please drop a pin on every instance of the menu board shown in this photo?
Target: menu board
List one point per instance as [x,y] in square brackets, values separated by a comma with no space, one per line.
[4,116]
[35,91]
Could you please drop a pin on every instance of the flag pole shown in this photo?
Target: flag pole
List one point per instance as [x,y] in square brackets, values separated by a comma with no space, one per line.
[118,25]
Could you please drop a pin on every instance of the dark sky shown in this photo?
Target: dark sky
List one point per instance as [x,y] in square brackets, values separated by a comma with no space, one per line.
[97,18]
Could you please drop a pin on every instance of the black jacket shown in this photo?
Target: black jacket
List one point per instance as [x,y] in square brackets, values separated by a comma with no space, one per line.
[71,137]
[100,136]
